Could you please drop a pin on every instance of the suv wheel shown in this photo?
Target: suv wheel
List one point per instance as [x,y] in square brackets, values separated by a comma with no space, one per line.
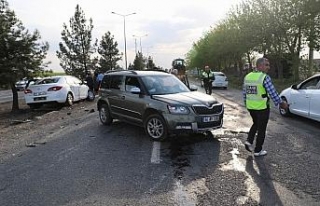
[156,127]
[104,115]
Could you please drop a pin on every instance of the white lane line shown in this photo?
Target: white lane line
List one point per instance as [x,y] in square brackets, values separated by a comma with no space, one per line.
[155,156]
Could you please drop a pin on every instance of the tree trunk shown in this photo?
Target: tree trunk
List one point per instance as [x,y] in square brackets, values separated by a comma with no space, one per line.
[15,100]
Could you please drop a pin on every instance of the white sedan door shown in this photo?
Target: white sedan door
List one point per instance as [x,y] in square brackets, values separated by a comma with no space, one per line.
[315,103]
[299,103]
[305,100]
[75,87]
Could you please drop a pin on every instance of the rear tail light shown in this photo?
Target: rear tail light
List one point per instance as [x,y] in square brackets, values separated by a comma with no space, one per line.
[27,91]
[57,88]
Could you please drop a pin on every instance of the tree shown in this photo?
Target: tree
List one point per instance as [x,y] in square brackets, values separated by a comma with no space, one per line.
[21,54]
[139,62]
[273,28]
[76,50]
[109,53]
[150,63]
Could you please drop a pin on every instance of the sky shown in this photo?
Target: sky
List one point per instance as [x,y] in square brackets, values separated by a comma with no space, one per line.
[163,29]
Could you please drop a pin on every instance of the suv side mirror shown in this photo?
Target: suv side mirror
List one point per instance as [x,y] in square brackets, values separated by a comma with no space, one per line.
[294,86]
[135,90]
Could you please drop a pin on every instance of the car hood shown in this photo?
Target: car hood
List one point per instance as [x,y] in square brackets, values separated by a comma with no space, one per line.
[186,98]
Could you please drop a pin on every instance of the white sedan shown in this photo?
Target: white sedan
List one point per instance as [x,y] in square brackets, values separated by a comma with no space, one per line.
[220,80]
[303,98]
[56,89]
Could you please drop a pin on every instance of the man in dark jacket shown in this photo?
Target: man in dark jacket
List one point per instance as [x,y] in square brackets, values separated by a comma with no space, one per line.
[207,77]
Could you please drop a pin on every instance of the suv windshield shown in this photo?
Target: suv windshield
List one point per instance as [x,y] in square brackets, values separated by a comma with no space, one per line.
[164,84]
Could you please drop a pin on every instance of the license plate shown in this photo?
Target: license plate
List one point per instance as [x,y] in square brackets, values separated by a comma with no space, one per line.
[39,98]
[39,93]
[210,119]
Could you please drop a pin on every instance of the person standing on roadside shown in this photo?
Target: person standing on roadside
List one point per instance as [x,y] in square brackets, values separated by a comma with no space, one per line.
[98,81]
[207,77]
[257,91]
[90,82]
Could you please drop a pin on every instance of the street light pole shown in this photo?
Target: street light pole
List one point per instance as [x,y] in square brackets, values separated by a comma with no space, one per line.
[124,33]
[140,40]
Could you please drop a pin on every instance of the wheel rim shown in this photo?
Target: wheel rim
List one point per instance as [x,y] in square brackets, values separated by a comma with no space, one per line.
[155,128]
[70,98]
[103,114]
[283,111]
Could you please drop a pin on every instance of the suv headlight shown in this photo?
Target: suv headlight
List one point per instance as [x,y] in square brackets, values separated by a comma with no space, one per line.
[177,109]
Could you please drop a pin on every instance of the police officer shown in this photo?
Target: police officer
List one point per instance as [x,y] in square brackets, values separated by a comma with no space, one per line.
[257,91]
[207,77]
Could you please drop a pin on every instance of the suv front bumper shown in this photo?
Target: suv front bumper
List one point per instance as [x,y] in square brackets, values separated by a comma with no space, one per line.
[192,124]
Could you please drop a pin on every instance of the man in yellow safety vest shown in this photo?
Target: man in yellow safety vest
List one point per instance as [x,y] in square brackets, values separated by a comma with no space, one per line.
[257,91]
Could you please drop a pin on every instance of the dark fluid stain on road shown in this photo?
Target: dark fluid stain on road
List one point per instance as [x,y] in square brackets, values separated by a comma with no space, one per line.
[180,150]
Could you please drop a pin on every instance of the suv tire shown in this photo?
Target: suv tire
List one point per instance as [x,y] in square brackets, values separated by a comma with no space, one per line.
[155,127]
[104,115]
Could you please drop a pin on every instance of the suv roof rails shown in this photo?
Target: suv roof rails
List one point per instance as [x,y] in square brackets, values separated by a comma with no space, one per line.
[121,70]
[155,70]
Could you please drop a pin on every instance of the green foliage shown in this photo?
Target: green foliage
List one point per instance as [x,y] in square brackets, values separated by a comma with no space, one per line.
[109,53]
[281,29]
[76,50]
[139,62]
[150,63]
[20,53]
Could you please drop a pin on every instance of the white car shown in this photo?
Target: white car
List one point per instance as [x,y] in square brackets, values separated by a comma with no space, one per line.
[20,85]
[56,89]
[303,98]
[220,80]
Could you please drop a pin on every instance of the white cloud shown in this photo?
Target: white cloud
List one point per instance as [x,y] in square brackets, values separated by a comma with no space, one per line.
[172,26]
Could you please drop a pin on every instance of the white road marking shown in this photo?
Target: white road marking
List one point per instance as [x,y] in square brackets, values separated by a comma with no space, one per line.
[155,156]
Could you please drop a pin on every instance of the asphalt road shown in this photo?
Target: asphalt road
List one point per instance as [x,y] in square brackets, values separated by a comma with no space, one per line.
[6,96]
[86,163]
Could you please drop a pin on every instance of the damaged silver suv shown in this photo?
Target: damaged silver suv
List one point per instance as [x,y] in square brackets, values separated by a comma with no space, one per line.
[157,101]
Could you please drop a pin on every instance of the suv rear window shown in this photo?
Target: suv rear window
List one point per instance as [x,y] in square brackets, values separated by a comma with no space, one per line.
[111,82]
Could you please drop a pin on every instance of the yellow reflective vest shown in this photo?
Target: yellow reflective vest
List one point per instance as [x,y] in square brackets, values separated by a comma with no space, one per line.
[208,75]
[256,94]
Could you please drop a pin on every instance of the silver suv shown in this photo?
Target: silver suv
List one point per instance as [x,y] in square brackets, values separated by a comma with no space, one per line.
[157,101]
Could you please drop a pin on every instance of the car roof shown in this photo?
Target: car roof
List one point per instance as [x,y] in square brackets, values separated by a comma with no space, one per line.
[57,76]
[137,72]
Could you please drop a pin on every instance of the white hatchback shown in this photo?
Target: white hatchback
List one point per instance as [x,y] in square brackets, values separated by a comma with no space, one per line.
[220,80]
[56,89]
[303,98]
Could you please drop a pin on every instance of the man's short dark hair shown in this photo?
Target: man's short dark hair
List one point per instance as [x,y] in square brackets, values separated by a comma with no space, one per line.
[261,61]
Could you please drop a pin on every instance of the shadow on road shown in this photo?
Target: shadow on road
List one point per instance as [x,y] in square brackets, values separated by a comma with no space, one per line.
[261,176]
